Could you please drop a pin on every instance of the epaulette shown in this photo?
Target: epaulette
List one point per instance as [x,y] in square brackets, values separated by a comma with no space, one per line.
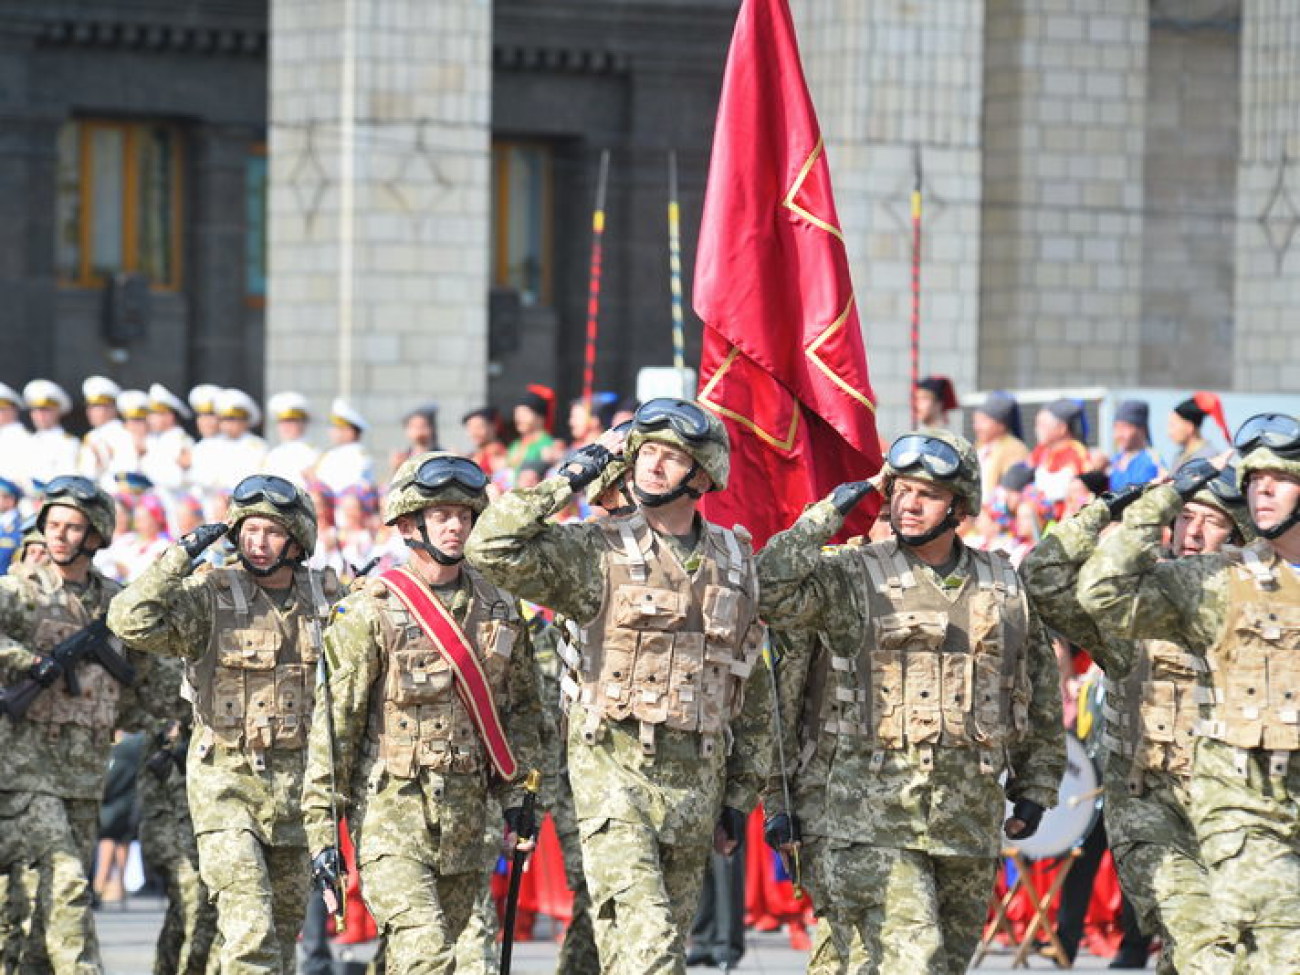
[376,588]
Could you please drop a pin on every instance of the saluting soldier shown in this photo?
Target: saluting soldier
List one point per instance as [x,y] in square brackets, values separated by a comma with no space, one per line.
[435,712]
[1240,613]
[662,761]
[1151,706]
[56,754]
[249,634]
[931,677]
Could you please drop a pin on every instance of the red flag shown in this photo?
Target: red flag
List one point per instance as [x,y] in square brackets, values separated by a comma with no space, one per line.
[783,360]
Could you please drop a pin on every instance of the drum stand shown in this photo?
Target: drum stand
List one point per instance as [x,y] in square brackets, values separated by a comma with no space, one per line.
[1038,903]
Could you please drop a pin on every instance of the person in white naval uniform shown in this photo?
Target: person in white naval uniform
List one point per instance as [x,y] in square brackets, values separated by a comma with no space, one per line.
[52,450]
[293,457]
[168,446]
[346,464]
[242,452]
[126,449]
[204,470]
[14,438]
[106,435]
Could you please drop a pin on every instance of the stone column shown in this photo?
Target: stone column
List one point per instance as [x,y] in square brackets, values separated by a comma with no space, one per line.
[1267,279]
[1061,266]
[379,205]
[891,80]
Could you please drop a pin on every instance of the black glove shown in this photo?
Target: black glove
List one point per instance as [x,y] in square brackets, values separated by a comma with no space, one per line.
[585,464]
[847,496]
[46,671]
[521,821]
[1117,501]
[1030,814]
[197,541]
[160,764]
[327,875]
[781,830]
[1193,476]
[732,823]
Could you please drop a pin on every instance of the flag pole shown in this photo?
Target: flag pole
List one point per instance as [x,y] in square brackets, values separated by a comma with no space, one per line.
[593,287]
[916,279]
[675,273]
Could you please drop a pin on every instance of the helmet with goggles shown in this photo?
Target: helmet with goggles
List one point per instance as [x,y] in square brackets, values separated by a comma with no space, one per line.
[689,427]
[81,494]
[1269,442]
[283,502]
[939,457]
[436,477]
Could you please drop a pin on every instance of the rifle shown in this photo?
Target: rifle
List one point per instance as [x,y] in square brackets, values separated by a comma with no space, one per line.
[94,643]
[520,856]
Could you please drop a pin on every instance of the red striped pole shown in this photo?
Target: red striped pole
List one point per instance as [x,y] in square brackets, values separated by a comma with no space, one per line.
[593,287]
[916,282]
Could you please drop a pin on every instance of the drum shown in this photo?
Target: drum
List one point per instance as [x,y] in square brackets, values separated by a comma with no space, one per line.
[1066,826]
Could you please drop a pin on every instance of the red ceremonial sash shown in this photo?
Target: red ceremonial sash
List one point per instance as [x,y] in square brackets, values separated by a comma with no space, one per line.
[471,683]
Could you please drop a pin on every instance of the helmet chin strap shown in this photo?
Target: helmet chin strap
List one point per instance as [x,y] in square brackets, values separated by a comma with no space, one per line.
[914,541]
[280,562]
[683,489]
[426,546]
[1282,527]
[81,550]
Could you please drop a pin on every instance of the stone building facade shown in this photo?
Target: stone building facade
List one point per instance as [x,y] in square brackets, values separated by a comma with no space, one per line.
[1109,188]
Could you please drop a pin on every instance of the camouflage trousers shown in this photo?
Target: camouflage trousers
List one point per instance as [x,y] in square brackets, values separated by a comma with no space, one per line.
[56,838]
[15,915]
[1256,892]
[420,914]
[936,904]
[1163,874]
[476,948]
[825,957]
[260,893]
[190,922]
[578,954]
[643,896]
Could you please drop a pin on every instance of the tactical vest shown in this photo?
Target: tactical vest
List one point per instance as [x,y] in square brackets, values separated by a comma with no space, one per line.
[667,647]
[934,672]
[1255,666]
[57,614]
[1151,715]
[254,687]
[421,721]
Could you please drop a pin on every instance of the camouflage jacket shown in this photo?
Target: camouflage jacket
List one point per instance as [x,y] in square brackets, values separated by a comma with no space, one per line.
[948,808]
[71,764]
[559,566]
[390,815]
[1125,587]
[169,611]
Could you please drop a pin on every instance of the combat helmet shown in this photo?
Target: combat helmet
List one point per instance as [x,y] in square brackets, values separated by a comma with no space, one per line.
[81,494]
[689,427]
[1269,442]
[281,501]
[614,473]
[1223,494]
[435,477]
[937,456]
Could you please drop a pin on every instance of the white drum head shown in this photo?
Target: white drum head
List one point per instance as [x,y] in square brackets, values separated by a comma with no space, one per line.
[1066,826]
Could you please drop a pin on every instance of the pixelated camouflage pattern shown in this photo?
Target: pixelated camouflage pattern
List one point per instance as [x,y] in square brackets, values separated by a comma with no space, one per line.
[404,497]
[615,473]
[910,912]
[15,916]
[1264,459]
[946,808]
[101,512]
[646,822]
[1151,835]
[1239,811]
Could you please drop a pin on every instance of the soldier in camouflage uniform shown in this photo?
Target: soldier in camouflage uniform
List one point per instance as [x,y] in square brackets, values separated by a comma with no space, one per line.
[663,762]
[931,677]
[168,846]
[55,757]
[410,760]
[1240,611]
[1152,699]
[249,634]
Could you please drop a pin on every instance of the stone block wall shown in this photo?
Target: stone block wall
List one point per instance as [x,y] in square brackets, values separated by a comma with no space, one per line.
[393,179]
